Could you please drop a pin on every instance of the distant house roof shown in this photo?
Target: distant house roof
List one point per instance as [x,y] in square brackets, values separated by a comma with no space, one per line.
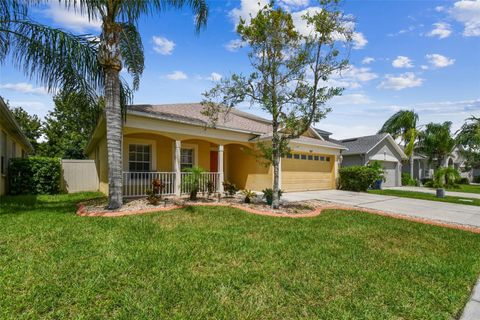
[8,120]
[361,145]
[232,119]
[323,133]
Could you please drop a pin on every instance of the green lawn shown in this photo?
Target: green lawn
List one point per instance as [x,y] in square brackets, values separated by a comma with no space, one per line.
[426,196]
[220,263]
[467,188]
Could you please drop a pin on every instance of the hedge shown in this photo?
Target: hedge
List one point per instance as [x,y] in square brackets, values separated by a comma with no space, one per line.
[358,178]
[34,175]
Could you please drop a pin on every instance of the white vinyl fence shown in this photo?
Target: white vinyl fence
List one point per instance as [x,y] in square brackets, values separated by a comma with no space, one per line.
[79,175]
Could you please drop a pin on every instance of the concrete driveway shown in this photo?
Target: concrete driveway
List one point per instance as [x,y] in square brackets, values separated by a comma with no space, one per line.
[437,211]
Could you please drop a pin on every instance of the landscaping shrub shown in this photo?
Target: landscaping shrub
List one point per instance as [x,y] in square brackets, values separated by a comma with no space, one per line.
[446,178]
[34,175]
[476,179]
[407,180]
[359,178]
[463,181]
[268,195]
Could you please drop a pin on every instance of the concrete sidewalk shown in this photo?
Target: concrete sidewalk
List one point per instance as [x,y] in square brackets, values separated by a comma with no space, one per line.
[432,210]
[432,191]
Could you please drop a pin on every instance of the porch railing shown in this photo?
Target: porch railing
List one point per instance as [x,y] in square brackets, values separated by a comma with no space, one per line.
[208,182]
[136,184]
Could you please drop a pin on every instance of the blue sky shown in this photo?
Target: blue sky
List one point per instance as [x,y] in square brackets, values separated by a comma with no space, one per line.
[407,54]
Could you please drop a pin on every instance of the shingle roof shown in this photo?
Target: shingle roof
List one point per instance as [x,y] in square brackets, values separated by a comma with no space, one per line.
[362,144]
[191,113]
[234,119]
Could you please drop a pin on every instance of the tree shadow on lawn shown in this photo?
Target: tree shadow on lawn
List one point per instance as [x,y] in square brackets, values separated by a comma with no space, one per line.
[60,203]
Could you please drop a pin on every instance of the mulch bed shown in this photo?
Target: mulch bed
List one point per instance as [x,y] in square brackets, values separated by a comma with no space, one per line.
[302,209]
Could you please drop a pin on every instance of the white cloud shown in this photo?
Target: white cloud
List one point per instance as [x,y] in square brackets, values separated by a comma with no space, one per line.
[352,99]
[424,67]
[368,60]
[468,13]
[215,76]
[442,30]
[24,87]
[439,8]
[352,78]
[439,61]
[402,62]
[177,75]
[359,40]
[291,4]
[234,45]
[162,45]
[247,8]
[400,82]
[71,19]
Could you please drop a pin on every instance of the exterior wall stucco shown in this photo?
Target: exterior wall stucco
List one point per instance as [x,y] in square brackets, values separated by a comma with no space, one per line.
[20,150]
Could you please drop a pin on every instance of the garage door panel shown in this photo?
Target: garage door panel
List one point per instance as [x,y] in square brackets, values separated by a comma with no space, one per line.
[303,175]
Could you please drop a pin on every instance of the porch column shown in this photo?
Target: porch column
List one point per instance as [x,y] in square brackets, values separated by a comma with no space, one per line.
[220,168]
[176,166]
[221,176]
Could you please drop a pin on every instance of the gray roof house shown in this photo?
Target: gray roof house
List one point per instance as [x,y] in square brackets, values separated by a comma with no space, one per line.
[381,147]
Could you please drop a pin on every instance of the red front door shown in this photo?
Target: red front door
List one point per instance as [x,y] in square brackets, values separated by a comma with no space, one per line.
[213,161]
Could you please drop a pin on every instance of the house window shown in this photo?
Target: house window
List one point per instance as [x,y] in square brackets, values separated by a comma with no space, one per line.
[322,158]
[296,156]
[289,156]
[304,157]
[3,152]
[310,157]
[24,154]
[328,159]
[187,158]
[139,157]
[316,158]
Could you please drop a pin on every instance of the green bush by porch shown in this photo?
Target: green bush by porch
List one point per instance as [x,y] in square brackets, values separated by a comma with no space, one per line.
[208,262]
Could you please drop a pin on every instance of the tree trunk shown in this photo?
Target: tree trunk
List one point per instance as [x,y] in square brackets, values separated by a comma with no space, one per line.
[411,166]
[113,118]
[276,165]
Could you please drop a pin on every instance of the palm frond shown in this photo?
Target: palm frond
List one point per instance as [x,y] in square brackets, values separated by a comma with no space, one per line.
[131,48]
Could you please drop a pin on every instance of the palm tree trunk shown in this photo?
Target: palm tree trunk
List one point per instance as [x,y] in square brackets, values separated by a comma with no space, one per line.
[113,117]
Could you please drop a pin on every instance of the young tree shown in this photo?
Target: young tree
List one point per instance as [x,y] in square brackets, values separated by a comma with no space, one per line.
[31,125]
[289,74]
[121,44]
[436,142]
[469,138]
[68,126]
[403,125]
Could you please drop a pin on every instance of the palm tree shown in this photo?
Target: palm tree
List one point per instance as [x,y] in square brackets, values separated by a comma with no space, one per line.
[121,44]
[403,125]
[436,142]
[57,59]
[82,63]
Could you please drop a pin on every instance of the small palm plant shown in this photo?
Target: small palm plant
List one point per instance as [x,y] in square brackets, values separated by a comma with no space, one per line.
[446,178]
[249,194]
[191,181]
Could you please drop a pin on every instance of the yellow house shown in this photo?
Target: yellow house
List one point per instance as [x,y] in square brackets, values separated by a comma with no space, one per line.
[13,143]
[160,141]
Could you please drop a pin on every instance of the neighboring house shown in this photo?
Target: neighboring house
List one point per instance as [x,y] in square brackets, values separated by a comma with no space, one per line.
[381,147]
[160,141]
[422,168]
[13,143]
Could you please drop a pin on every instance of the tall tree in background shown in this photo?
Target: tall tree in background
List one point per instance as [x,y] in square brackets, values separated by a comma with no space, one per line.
[68,126]
[403,125]
[436,142]
[289,74]
[469,138]
[31,125]
[121,44]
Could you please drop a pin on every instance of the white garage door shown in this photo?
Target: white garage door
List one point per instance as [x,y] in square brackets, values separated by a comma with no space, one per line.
[391,172]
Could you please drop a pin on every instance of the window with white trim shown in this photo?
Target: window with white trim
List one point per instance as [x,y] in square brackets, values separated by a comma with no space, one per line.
[187,158]
[139,157]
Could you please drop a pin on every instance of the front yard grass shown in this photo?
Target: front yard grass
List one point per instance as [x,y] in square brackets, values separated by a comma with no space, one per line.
[222,263]
[469,188]
[427,196]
